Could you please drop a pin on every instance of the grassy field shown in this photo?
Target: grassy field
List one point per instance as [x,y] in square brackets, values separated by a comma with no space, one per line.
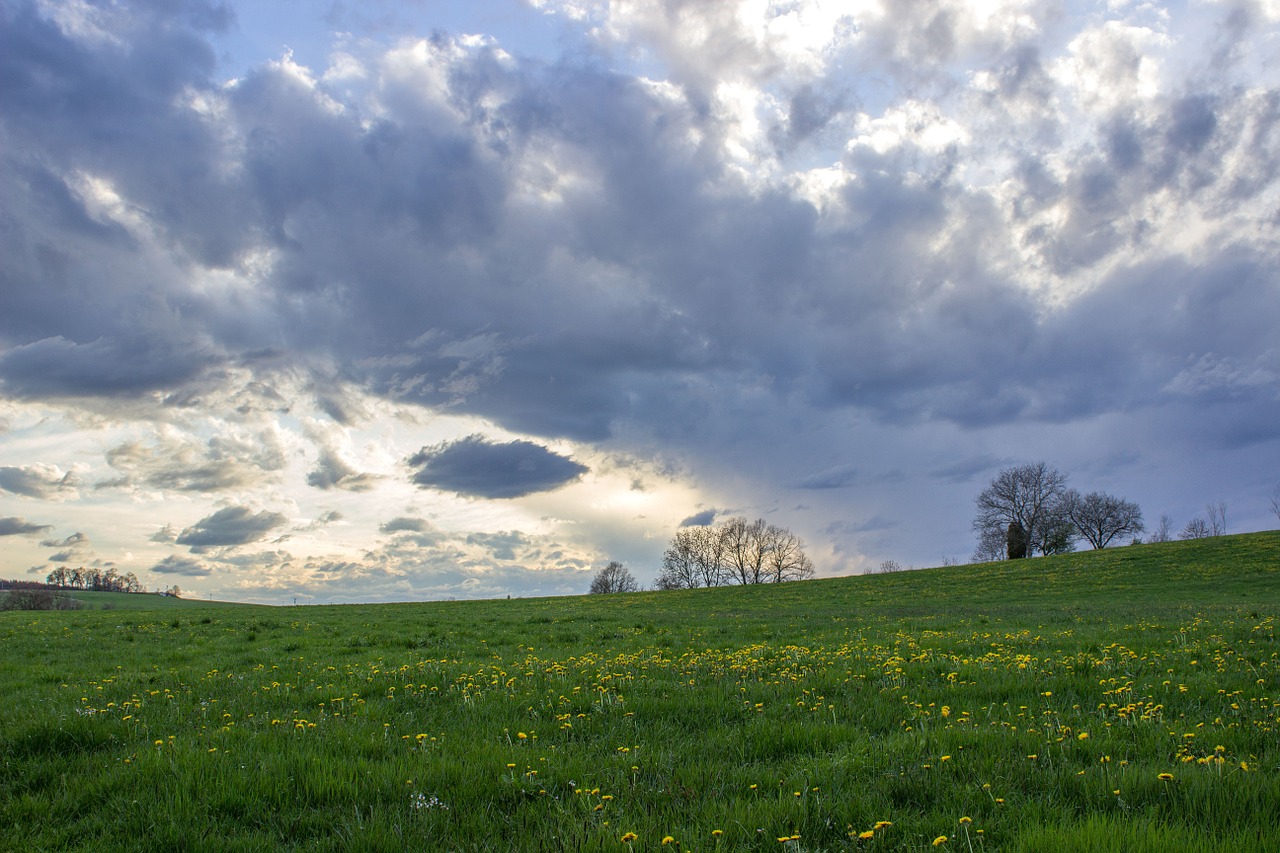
[1123,700]
[90,600]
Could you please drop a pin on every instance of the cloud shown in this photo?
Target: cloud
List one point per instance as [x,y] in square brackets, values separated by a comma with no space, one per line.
[57,367]
[174,462]
[11,526]
[331,472]
[75,540]
[45,482]
[837,477]
[75,547]
[185,566]
[477,467]
[404,524]
[229,527]
[701,519]
[964,470]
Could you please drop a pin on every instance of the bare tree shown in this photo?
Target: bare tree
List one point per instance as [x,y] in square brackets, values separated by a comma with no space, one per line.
[680,562]
[1164,532]
[888,567]
[695,558]
[1025,495]
[1099,517]
[1275,502]
[614,578]
[1197,528]
[1217,514]
[785,559]
[745,550]
[735,552]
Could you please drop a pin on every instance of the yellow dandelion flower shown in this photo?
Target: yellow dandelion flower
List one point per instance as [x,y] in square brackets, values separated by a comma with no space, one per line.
[1165,777]
[716,833]
[870,833]
[939,841]
[882,824]
[522,736]
[628,837]
[667,839]
[966,820]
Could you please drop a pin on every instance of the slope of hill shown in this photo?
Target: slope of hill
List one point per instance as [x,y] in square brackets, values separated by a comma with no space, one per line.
[1124,700]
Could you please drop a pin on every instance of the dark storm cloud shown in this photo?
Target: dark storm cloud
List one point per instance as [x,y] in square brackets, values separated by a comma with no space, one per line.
[477,467]
[57,367]
[185,566]
[235,525]
[35,481]
[12,526]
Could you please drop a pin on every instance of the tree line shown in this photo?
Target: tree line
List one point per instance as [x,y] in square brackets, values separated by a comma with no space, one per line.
[734,552]
[95,580]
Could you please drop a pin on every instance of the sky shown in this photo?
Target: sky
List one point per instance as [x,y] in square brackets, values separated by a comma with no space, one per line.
[380,301]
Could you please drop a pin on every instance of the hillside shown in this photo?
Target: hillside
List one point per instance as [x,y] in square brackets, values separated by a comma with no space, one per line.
[1120,700]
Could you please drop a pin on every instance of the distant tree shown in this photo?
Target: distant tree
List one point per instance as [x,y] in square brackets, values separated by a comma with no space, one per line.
[1058,537]
[1025,495]
[695,558]
[1217,514]
[1100,518]
[1164,532]
[614,578]
[785,559]
[735,552]
[745,550]
[1197,528]
[173,592]
[888,567]
[1275,502]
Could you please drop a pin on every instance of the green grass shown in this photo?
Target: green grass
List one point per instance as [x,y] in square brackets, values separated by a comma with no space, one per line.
[1123,700]
[90,600]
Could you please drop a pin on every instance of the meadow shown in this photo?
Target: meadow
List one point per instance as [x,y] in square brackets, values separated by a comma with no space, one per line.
[1119,700]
